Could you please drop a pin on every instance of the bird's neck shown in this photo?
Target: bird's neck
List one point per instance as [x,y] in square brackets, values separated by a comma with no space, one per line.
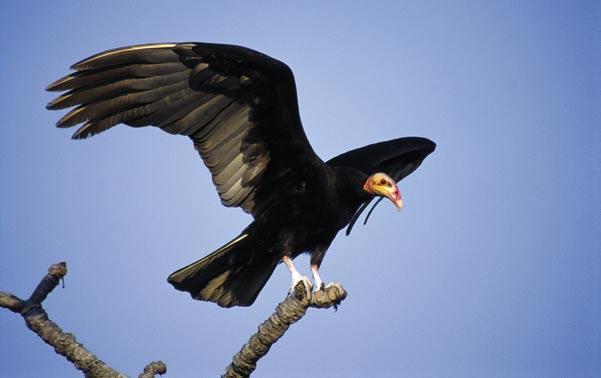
[349,186]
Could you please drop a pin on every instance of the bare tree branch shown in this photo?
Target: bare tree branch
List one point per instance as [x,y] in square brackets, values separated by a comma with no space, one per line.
[63,343]
[291,310]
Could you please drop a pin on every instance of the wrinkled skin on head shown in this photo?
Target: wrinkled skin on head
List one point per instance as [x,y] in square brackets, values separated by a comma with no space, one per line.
[380,184]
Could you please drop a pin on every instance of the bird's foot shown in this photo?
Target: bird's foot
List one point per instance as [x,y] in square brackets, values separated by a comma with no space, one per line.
[337,285]
[318,283]
[302,284]
[318,286]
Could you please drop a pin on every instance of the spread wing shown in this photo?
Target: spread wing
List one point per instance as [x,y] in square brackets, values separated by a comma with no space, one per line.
[398,158]
[238,106]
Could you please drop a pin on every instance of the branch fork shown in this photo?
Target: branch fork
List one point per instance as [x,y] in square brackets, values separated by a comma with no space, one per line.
[64,343]
[288,312]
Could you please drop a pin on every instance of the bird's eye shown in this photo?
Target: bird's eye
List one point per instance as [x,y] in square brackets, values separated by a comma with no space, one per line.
[383,181]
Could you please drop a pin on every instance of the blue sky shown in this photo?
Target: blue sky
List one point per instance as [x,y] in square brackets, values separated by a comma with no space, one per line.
[491,270]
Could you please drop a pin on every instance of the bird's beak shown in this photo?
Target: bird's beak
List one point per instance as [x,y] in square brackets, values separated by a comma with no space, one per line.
[395,198]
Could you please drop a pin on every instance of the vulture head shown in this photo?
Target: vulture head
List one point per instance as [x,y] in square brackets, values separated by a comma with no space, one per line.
[380,184]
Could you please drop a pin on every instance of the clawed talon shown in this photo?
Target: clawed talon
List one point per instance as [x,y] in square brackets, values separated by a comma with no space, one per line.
[318,285]
[297,291]
[296,279]
[295,276]
[331,284]
[317,288]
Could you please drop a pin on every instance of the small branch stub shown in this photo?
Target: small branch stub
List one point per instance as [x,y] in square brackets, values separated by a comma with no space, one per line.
[154,368]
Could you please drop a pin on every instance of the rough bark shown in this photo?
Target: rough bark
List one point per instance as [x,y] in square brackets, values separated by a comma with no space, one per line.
[291,310]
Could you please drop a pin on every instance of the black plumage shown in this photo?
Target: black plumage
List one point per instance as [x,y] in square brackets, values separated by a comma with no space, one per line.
[240,109]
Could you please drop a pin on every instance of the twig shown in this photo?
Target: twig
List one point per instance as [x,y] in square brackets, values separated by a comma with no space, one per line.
[153,368]
[291,310]
[63,343]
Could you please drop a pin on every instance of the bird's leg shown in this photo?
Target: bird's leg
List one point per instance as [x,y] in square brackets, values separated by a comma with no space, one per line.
[296,277]
[317,282]
[316,258]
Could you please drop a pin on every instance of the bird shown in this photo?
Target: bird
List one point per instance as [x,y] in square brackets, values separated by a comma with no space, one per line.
[240,109]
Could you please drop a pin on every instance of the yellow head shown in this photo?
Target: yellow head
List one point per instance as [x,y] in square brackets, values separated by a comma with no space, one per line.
[380,184]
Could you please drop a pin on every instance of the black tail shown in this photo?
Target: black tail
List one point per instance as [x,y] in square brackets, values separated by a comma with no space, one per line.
[231,276]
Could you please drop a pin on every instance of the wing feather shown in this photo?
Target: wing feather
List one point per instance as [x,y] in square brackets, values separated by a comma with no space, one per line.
[82,79]
[237,105]
[201,116]
[105,91]
[227,182]
[104,107]
[149,53]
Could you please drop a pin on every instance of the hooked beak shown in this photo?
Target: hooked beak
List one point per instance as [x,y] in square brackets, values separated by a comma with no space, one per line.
[382,185]
[395,198]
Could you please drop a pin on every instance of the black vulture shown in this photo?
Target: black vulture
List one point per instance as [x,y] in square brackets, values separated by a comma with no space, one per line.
[240,109]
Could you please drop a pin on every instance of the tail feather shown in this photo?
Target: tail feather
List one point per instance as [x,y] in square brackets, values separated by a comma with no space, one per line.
[233,275]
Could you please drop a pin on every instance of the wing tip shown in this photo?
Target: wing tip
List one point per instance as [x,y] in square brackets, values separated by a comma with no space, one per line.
[58,85]
[70,119]
[57,103]
[95,60]
[79,134]
[430,146]
[424,144]
[420,145]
